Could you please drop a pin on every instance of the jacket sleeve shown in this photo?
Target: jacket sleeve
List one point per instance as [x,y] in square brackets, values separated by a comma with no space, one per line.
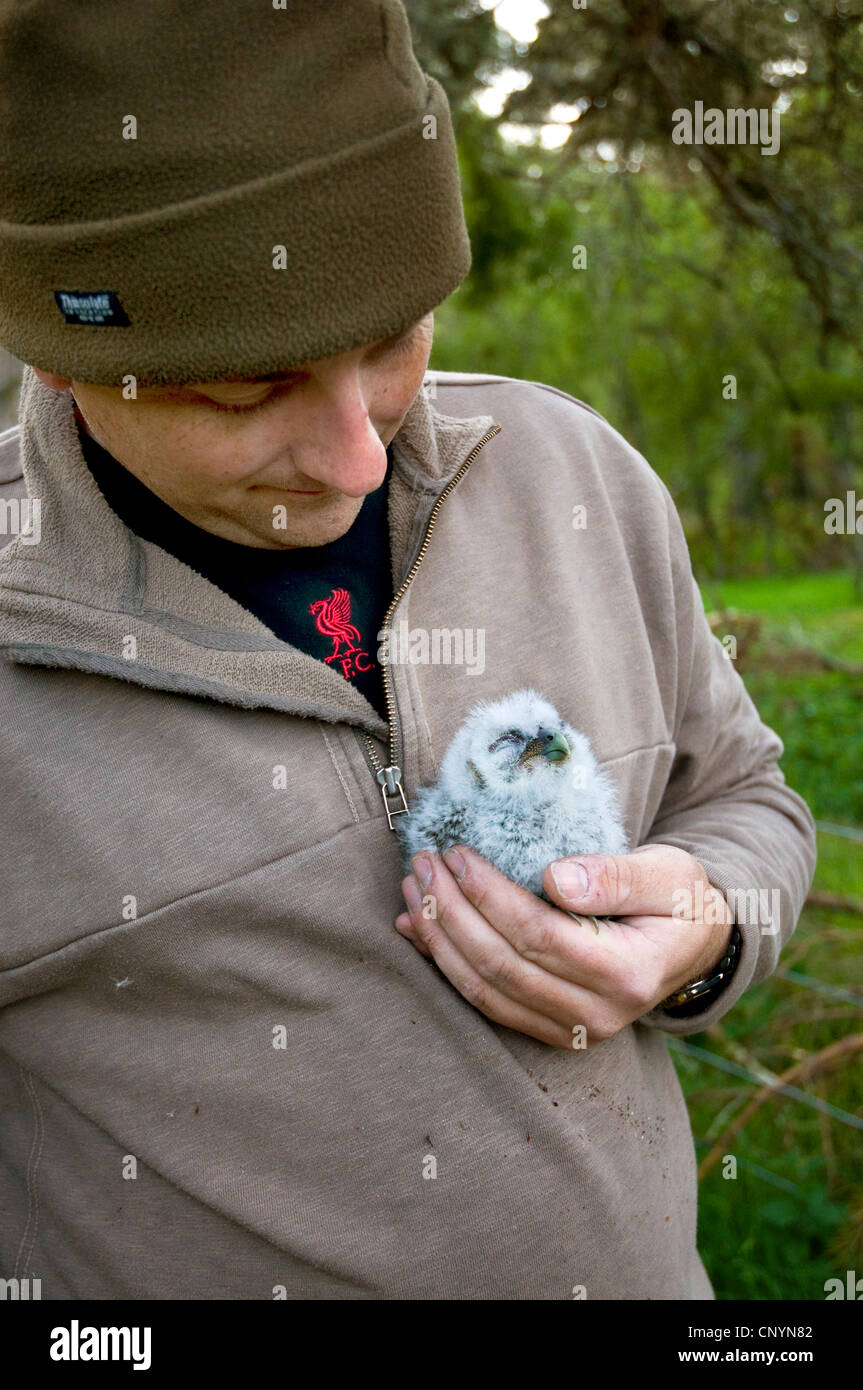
[726,801]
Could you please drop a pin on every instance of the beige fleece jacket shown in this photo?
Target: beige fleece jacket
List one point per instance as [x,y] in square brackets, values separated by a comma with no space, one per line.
[223,1073]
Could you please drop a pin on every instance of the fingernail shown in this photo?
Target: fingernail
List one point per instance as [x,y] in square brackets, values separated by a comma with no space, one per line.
[455,861]
[422,867]
[412,894]
[571,879]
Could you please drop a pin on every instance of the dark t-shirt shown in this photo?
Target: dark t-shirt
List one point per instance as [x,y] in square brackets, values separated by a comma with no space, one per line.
[328,600]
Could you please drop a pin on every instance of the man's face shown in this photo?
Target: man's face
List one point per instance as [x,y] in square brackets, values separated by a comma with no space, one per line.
[232,456]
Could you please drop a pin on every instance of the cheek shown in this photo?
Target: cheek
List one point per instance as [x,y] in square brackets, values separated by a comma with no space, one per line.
[199,451]
[180,453]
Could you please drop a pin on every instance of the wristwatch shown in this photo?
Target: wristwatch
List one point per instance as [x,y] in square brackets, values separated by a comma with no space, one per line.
[700,994]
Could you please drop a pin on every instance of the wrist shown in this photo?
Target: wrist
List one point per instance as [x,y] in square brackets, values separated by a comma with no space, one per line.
[691,998]
[709,962]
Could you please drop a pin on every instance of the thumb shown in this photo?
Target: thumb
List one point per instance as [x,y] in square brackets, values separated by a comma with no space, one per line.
[621,885]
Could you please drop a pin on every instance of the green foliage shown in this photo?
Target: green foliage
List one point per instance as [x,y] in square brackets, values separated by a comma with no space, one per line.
[650,335]
[703,263]
[758,1243]
[630,67]
[459,44]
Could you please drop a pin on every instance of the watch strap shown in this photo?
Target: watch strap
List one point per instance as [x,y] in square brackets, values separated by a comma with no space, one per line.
[700,993]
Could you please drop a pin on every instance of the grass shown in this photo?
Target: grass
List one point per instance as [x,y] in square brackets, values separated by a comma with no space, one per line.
[816,711]
[822,595]
[793,1216]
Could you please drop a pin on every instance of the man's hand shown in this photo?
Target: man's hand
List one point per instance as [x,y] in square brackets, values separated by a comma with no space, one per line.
[530,966]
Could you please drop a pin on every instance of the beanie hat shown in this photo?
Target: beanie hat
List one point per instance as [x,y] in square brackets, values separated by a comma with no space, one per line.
[201,191]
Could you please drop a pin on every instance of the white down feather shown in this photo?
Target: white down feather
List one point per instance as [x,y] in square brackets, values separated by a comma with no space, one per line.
[521,816]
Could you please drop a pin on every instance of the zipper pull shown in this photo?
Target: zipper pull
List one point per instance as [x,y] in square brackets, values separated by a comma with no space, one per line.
[390,785]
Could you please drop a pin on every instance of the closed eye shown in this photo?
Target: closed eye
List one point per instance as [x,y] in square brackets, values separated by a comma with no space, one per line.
[274,392]
[399,343]
[511,736]
[238,409]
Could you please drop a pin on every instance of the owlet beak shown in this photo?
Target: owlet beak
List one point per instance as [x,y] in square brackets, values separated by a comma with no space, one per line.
[553,747]
[557,750]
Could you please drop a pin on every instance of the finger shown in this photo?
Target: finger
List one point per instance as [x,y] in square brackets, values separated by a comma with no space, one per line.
[489,1000]
[661,880]
[489,954]
[541,934]
[403,927]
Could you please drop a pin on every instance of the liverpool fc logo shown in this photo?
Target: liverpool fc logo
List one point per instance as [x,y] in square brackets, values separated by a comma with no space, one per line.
[333,618]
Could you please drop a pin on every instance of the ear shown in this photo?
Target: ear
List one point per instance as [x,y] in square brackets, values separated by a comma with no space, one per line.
[50,379]
[478,777]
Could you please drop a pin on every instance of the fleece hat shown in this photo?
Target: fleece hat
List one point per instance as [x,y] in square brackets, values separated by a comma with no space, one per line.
[196,190]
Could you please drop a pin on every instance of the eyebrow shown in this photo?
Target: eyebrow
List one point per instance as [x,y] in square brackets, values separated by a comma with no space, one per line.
[257,380]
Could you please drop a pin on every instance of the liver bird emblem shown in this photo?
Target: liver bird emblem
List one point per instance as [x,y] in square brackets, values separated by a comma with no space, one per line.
[333,618]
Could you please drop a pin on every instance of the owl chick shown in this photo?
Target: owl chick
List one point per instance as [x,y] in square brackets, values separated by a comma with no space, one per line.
[522,787]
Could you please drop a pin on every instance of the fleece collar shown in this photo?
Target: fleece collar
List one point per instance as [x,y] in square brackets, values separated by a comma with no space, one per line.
[93,596]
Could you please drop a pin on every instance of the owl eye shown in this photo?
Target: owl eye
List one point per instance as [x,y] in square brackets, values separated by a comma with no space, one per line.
[511,736]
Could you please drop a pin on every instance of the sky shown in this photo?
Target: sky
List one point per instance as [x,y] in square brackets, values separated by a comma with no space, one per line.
[520,18]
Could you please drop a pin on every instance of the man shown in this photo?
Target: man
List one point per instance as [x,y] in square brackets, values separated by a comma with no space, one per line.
[226,1072]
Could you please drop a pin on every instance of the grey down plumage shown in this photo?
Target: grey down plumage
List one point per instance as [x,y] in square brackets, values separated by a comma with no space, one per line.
[522,787]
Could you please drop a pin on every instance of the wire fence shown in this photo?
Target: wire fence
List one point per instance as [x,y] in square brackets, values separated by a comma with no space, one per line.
[829,991]
[748,1165]
[846,832]
[715,1059]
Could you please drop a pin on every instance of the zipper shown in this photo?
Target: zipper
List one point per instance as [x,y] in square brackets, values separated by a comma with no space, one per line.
[389,778]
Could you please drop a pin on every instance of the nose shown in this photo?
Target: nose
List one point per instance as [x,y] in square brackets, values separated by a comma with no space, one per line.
[342,448]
